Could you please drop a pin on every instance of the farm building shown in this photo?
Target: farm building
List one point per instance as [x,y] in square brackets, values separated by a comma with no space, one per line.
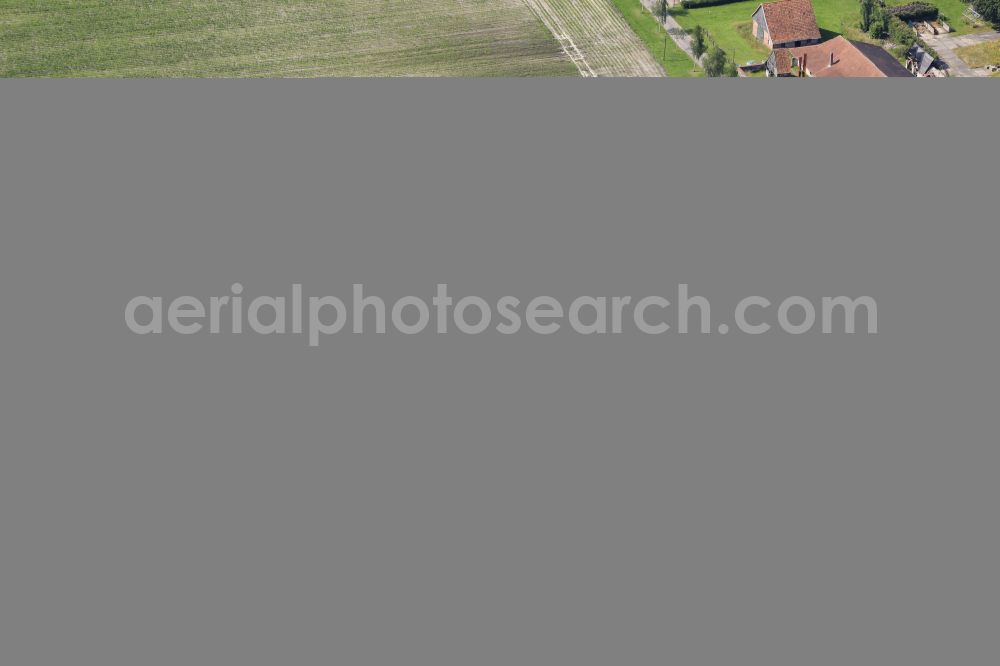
[835,58]
[786,24]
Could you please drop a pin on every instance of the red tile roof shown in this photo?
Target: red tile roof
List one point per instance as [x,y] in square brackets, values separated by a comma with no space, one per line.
[850,59]
[791,21]
[783,62]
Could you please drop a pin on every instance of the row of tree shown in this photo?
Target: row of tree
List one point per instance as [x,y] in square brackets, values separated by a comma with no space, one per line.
[715,63]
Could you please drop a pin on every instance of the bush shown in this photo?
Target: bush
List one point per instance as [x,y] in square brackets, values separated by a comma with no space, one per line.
[695,4]
[901,34]
[904,37]
[879,26]
[915,11]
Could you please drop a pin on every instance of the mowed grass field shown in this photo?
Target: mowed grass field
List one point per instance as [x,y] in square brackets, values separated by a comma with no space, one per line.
[980,55]
[278,38]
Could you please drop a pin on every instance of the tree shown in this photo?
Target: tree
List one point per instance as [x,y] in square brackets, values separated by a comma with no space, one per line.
[867,9]
[715,62]
[730,69]
[698,42]
[989,9]
[662,10]
[879,28]
[902,35]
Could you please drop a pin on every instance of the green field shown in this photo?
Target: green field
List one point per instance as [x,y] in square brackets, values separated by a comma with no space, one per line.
[287,38]
[980,55]
[730,24]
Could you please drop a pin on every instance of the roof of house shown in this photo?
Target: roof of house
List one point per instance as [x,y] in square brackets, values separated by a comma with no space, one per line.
[923,59]
[782,61]
[849,59]
[790,21]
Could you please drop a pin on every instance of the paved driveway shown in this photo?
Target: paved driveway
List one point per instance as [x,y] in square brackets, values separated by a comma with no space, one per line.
[945,45]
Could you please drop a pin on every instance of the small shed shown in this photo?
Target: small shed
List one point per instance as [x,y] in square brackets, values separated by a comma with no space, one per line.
[919,61]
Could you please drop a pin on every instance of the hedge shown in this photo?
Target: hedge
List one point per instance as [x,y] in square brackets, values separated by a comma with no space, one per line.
[915,11]
[695,4]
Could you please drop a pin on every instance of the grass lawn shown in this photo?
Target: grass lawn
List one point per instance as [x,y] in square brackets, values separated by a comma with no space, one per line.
[730,24]
[249,38]
[980,55]
[651,32]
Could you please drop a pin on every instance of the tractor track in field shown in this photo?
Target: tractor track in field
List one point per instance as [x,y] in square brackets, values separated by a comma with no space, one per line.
[596,38]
